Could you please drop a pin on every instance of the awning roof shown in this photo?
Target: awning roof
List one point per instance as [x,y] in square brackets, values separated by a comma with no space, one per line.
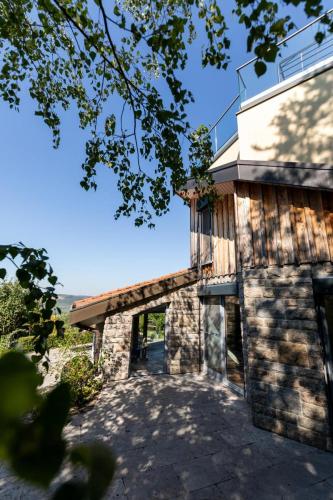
[93,310]
[306,175]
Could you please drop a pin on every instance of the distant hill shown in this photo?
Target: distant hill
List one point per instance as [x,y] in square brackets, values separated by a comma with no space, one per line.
[65,301]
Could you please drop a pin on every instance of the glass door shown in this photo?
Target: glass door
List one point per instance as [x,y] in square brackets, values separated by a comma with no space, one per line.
[325,303]
[214,338]
[223,339]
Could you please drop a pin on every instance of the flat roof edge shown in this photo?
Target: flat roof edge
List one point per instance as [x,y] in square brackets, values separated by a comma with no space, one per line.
[297,174]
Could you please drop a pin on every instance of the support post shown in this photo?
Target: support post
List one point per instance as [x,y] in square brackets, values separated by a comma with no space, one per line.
[97,342]
[135,347]
[145,335]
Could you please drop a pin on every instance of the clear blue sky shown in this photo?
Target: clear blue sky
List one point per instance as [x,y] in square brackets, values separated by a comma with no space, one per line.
[43,205]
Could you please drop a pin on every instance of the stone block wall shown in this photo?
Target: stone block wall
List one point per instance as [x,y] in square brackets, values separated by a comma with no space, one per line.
[285,371]
[182,335]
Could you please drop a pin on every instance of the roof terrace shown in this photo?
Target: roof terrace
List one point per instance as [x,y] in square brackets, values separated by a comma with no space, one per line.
[300,56]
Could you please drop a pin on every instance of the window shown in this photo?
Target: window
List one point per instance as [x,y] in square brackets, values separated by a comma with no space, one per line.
[233,340]
[205,242]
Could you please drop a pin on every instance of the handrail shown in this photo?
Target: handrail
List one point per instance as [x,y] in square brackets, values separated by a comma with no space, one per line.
[305,57]
[313,47]
[223,114]
[289,37]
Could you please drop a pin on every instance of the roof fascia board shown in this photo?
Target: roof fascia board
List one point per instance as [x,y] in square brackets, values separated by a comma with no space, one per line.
[309,175]
[89,312]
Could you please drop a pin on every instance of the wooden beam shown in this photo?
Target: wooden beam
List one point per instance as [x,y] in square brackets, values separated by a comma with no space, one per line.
[97,342]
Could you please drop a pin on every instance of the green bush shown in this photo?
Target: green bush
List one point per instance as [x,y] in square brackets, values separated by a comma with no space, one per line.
[70,339]
[80,373]
[13,310]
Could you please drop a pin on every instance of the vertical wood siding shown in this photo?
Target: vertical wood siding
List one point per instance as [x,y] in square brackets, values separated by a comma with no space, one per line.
[279,225]
[223,237]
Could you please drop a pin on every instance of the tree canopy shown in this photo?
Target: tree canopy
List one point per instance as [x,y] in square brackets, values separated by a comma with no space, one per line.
[119,65]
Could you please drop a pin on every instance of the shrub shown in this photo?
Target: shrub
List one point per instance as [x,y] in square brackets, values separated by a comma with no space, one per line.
[70,339]
[13,310]
[80,373]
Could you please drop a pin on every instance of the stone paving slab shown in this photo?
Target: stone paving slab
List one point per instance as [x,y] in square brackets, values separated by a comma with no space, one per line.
[189,438]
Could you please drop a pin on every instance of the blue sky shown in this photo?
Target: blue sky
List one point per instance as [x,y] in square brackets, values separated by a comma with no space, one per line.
[43,205]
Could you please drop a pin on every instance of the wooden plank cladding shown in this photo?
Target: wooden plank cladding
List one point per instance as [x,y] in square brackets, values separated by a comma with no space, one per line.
[278,225]
[223,237]
[223,252]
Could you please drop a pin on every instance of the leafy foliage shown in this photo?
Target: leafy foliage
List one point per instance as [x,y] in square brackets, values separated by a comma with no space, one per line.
[114,62]
[80,374]
[158,321]
[32,269]
[70,339]
[31,438]
[13,311]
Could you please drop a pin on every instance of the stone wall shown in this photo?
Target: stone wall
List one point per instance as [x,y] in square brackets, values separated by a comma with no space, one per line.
[182,335]
[285,372]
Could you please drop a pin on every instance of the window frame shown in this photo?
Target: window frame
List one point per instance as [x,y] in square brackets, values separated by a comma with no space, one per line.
[203,207]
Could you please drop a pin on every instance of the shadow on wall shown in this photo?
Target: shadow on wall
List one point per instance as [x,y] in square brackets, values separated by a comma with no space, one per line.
[286,370]
[176,435]
[302,127]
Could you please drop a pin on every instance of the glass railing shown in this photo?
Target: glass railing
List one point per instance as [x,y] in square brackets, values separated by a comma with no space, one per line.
[226,126]
[298,52]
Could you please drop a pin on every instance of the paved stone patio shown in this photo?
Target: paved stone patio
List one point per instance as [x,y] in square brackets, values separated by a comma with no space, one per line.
[185,437]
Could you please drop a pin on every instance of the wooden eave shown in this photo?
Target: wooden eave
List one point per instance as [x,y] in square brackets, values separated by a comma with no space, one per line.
[305,175]
[89,312]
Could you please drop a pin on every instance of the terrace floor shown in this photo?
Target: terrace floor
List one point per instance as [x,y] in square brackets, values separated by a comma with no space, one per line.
[186,437]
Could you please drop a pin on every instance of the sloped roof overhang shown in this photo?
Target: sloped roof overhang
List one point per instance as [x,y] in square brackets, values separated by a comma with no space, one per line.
[306,175]
[87,313]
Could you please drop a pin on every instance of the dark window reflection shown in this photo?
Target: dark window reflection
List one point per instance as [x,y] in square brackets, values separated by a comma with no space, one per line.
[233,335]
[206,234]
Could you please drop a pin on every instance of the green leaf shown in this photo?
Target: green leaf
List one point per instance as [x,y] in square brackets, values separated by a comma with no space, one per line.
[19,380]
[39,448]
[53,280]
[271,53]
[71,490]
[260,68]
[3,252]
[24,277]
[319,37]
[100,464]
[3,273]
